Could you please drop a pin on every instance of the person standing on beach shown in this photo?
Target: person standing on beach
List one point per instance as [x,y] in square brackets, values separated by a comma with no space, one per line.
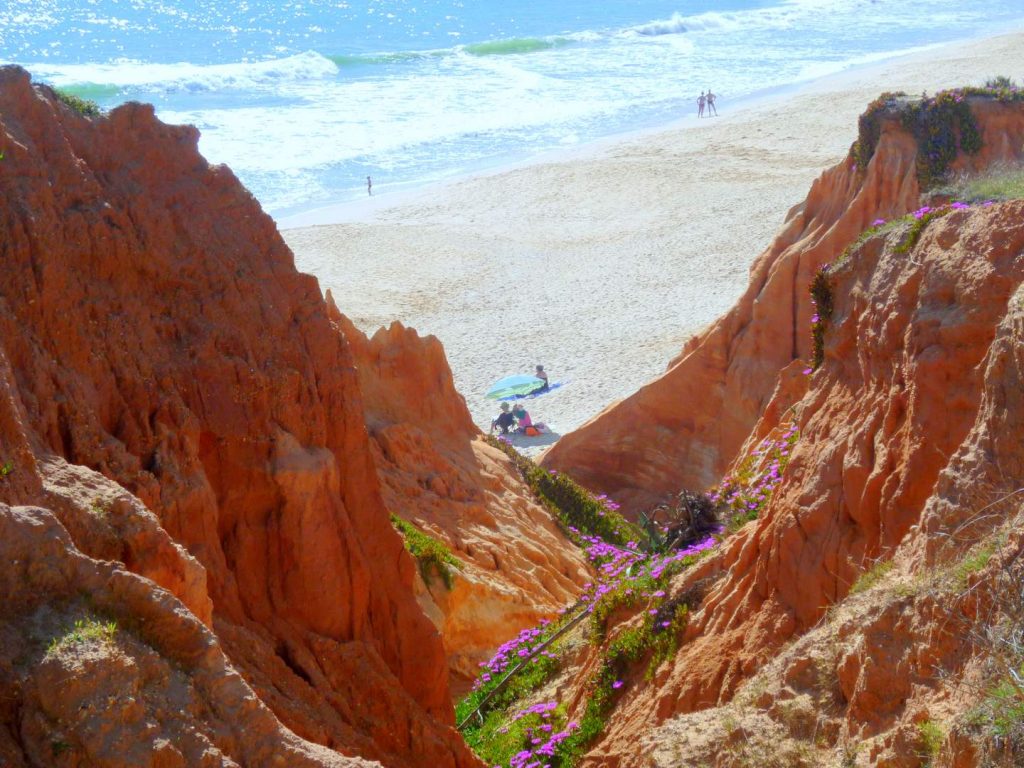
[711,103]
[369,186]
[700,105]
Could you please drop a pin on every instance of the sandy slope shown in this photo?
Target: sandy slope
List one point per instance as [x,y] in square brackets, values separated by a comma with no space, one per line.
[601,262]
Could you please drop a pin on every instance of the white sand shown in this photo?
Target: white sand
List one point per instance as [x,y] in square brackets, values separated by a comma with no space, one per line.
[599,263]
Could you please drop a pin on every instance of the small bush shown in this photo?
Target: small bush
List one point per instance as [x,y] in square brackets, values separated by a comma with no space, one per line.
[930,737]
[999,82]
[5,469]
[823,300]
[84,630]
[869,128]
[871,576]
[431,554]
[943,126]
[78,104]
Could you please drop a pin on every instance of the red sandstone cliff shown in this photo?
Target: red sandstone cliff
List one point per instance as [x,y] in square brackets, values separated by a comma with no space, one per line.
[684,428]
[907,456]
[437,472]
[907,467]
[181,412]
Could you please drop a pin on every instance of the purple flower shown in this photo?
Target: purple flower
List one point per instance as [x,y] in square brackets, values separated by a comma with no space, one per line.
[808,371]
[617,684]
[877,222]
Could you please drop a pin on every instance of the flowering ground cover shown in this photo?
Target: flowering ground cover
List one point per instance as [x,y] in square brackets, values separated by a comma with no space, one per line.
[942,125]
[501,718]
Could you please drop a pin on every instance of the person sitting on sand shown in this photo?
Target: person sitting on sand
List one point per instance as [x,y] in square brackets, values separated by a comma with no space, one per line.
[711,103]
[527,425]
[505,420]
[522,416]
[543,377]
[700,105]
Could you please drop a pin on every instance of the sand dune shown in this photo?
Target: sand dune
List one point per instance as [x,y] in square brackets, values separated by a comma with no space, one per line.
[599,263]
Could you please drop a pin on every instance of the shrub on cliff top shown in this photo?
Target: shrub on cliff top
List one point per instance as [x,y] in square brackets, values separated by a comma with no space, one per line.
[869,128]
[431,554]
[82,106]
[943,126]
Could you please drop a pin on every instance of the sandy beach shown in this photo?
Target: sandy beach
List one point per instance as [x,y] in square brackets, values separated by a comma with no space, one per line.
[598,263]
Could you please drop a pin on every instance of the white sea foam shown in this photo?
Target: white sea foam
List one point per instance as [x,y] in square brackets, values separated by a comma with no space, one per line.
[304,105]
[301,67]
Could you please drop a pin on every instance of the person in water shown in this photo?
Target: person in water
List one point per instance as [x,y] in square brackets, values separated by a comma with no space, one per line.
[700,105]
[711,103]
[505,420]
[543,377]
[369,186]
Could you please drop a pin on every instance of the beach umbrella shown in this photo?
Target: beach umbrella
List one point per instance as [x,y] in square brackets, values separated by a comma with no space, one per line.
[519,384]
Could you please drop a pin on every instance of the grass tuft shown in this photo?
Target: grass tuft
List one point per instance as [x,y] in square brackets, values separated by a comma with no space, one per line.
[996,184]
[432,555]
[930,737]
[84,631]
[871,576]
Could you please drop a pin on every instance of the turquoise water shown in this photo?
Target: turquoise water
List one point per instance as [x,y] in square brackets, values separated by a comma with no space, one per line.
[304,99]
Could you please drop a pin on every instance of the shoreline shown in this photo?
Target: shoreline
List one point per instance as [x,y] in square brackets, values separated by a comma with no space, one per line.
[359,209]
[601,260]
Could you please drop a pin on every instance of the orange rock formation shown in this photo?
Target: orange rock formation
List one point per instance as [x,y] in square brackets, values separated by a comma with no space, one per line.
[183,444]
[907,457]
[438,473]
[684,428]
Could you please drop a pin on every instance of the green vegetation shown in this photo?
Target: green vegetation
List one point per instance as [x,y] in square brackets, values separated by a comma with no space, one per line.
[1001,713]
[942,125]
[922,218]
[5,469]
[100,507]
[869,128]
[83,631]
[930,737]
[495,735]
[973,563]
[657,639]
[431,554]
[996,184]
[824,306]
[78,104]
[578,510]
[59,747]
[745,492]
[871,576]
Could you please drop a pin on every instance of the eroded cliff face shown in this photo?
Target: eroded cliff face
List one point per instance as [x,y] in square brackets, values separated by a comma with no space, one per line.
[437,472]
[905,466]
[684,428]
[182,421]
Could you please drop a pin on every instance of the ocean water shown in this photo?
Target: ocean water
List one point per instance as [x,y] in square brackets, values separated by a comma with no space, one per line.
[305,98]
